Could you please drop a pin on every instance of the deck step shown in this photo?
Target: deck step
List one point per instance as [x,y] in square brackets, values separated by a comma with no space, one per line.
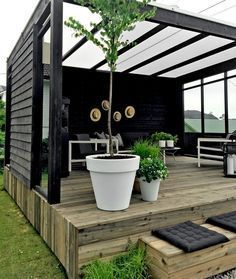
[169,262]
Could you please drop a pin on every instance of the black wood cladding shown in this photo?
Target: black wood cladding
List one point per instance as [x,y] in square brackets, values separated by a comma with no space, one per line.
[154,100]
[21,111]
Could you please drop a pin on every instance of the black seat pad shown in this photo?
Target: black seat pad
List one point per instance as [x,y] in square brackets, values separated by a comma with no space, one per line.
[189,236]
[226,221]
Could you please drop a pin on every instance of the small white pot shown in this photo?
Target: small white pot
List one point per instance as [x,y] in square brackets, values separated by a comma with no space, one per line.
[150,190]
[162,143]
[170,143]
[112,180]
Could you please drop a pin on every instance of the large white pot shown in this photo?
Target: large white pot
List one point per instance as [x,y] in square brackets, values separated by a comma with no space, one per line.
[112,180]
[170,143]
[150,190]
[162,143]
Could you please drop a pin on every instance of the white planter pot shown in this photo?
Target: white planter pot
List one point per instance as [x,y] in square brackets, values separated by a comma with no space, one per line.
[162,143]
[170,143]
[112,180]
[150,190]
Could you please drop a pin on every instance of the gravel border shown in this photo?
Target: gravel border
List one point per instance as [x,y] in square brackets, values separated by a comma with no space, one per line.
[230,274]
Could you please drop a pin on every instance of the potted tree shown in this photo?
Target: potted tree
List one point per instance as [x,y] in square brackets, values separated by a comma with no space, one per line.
[112,176]
[151,171]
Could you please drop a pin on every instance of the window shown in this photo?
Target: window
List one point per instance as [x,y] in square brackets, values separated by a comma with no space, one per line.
[214,112]
[192,110]
[232,104]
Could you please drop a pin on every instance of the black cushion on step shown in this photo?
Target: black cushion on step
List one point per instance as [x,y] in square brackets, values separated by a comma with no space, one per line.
[226,221]
[189,236]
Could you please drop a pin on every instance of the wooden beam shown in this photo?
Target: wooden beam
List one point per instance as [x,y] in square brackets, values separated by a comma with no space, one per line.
[191,22]
[226,103]
[196,58]
[78,45]
[8,117]
[166,52]
[37,109]
[139,40]
[44,28]
[208,71]
[54,175]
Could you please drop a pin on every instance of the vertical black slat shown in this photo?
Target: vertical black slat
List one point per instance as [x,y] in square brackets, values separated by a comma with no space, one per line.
[8,117]
[226,103]
[202,108]
[54,165]
[37,108]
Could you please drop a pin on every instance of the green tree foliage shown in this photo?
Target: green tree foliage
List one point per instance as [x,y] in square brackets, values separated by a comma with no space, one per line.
[116,16]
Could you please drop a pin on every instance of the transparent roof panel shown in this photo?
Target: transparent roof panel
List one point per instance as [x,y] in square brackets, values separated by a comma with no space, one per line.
[184,54]
[80,13]
[203,63]
[86,57]
[89,55]
[158,43]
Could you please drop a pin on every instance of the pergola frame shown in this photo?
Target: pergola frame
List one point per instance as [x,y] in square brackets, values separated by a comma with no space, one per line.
[49,14]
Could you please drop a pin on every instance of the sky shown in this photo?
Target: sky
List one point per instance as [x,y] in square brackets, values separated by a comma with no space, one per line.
[15,14]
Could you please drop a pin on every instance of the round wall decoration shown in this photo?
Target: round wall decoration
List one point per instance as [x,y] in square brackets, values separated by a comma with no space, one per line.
[117,116]
[129,112]
[95,114]
[105,105]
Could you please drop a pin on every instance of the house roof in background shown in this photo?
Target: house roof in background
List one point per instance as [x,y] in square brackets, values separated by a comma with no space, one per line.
[2,88]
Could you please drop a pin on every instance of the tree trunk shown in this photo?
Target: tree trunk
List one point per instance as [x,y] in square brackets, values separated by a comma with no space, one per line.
[109,115]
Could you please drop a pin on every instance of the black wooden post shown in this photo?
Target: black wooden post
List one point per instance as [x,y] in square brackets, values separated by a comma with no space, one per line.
[8,117]
[54,174]
[37,108]
[226,103]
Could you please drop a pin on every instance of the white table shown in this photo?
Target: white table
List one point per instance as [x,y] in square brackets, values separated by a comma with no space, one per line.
[91,141]
[169,150]
[211,156]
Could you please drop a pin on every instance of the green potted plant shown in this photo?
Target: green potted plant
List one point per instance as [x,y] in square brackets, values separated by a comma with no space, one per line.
[151,171]
[112,176]
[172,140]
[144,149]
[160,138]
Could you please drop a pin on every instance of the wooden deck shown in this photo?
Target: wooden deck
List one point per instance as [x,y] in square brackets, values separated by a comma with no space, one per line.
[78,232]
[189,193]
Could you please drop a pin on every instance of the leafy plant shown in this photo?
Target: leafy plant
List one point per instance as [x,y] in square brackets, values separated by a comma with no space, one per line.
[151,169]
[131,265]
[145,149]
[116,16]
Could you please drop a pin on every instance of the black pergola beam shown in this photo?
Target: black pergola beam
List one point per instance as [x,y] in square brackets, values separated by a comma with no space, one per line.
[193,23]
[78,45]
[166,52]
[44,28]
[196,58]
[54,165]
[8,117]
[208,71]
[37,108]
[139,40]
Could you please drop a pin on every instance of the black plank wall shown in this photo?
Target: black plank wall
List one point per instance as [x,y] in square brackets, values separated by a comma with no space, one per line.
[21,63]
[154,99]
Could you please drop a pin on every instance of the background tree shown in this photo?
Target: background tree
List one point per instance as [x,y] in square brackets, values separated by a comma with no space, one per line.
[116,16]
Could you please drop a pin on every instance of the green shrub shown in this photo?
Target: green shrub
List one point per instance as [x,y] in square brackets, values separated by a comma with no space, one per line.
[131,265]
[145,149]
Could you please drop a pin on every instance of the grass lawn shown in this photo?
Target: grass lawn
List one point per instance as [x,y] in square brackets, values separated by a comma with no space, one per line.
[23,254]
